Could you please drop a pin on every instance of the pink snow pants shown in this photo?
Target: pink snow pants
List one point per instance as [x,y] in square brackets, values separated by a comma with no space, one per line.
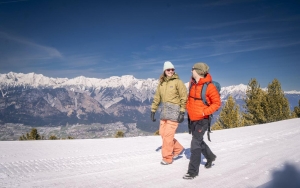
[170,146]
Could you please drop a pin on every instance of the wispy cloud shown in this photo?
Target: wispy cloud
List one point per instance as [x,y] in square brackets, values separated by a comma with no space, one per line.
[226,24]
[83,60]
[243,38]
[227,2]
[47,52]
[224,42]
[5,2]
[262,19]
[169,48]
[256,48]
[151,48]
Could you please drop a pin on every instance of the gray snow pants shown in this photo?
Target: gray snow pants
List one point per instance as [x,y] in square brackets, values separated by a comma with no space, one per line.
[198,145]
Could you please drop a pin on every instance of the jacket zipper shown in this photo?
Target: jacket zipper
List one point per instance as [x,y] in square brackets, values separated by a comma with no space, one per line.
[164,101]
[195,91]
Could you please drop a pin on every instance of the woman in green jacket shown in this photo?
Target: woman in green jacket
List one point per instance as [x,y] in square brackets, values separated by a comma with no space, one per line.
[171,93]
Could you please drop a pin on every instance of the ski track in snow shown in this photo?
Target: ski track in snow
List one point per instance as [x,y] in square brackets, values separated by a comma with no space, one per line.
[246,157]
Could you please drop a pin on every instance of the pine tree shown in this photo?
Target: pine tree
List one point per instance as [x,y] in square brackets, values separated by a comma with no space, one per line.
[255,104]
[33,135]
[23,137]
[230,116]
[297,110]
[53,137]
[278,107]
[119,134]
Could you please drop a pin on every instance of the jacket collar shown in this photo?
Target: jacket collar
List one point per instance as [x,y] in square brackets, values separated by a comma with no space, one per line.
[207,78]
[174,76]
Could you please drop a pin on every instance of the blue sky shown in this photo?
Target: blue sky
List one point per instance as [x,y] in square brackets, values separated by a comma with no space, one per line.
[239,40]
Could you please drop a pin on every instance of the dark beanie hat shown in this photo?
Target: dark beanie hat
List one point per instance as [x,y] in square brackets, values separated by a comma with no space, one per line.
[201,68]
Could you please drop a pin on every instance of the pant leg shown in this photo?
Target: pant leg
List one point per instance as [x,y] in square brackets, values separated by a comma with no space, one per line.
[206,151]
[195,158]
[177,147]
[198,146]
[168,131]
[162,126]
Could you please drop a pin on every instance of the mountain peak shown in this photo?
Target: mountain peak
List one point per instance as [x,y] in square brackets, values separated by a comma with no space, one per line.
[292,92]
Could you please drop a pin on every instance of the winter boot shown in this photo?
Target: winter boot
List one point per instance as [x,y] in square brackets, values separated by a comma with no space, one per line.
[208,164]
[164,162]
[188,176]
[176,156]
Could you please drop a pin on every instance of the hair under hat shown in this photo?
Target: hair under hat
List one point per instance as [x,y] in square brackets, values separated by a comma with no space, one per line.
[201,68]
[168,65]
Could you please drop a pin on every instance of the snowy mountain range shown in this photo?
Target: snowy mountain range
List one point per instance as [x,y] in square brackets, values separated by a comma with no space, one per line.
[81,83]
[34,99]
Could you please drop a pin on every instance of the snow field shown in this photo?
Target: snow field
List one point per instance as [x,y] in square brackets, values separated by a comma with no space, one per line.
[246,157]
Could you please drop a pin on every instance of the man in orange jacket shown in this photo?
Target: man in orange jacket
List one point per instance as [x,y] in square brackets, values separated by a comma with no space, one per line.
[198,114]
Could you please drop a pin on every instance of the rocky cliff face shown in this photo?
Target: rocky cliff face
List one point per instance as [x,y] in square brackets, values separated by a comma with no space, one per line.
[36,100]
[37,106]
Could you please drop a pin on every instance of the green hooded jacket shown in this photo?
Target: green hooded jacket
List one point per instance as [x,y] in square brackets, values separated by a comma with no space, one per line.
[172,95]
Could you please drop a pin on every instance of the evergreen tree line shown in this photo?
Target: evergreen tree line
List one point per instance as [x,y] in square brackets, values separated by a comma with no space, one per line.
[260,107]
[34,135]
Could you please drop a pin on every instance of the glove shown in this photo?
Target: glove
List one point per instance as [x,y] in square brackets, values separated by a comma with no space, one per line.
[180,117]
[152,116]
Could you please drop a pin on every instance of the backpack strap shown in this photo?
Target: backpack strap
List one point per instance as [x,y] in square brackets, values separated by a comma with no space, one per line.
[203,96]
[208,129]
[203,93]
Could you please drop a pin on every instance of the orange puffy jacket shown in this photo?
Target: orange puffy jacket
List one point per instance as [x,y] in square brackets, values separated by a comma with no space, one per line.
[197,110]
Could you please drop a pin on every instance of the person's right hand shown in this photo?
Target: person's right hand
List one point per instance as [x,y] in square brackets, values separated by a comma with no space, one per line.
[152,116]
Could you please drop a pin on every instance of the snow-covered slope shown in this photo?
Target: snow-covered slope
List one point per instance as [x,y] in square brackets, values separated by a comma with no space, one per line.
[246,157]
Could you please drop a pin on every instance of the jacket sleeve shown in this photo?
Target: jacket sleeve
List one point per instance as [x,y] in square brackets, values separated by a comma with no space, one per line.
[182,95]
[212,95]
[156,99]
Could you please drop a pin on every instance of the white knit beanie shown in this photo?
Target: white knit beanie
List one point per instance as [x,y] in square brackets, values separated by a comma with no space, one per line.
[168,65]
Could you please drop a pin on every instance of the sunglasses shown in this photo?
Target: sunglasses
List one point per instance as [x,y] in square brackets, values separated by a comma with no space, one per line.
[170,70]
[195,69]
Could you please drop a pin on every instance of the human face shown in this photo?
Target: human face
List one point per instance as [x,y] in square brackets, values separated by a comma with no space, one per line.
[169,72]
[194,73]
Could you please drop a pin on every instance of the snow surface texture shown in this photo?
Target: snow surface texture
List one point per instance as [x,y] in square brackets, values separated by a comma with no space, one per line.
[246,157]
